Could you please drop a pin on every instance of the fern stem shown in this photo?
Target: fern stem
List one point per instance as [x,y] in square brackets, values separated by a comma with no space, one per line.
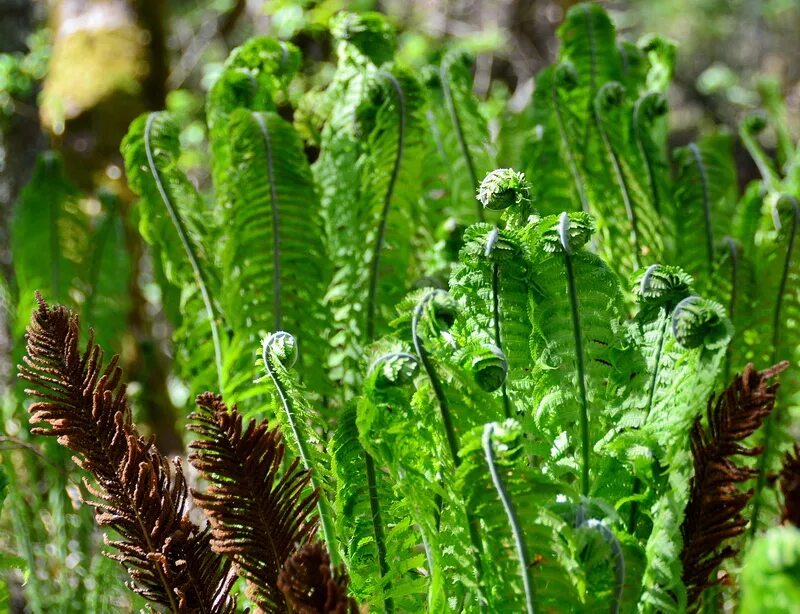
[450,434]
[753,147]
[637,483]
[436,384]
[372,291]
[276,229]
[620,179]
[451,108]
[497,339]
[511,514]
[576,331]
[387,201]
[769,422]
[701,170]
[377,526]
[571,163]
[323,505]
[639,136]
[731,304]
[199,275]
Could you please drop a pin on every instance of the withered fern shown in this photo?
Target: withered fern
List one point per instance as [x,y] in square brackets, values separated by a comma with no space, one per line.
[259,514]
[312,586]
[714,512]
[790,486]
[138,493]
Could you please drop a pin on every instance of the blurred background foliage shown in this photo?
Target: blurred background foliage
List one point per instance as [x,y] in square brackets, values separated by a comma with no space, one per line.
[74,73]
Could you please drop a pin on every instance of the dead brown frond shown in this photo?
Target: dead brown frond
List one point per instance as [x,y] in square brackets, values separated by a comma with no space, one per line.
[713,514]
[790,486]
[137,492]
[259,516]
[311,586]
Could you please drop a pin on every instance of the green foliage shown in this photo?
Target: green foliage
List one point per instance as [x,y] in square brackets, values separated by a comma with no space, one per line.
[771,569]
[491,375]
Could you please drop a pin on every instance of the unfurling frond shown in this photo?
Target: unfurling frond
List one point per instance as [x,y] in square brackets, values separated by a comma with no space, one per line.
[258,514]
[714,512]
[311,586]
[139,494]
[503,188]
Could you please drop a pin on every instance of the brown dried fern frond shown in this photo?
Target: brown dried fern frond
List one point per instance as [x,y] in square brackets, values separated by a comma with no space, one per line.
[312,586]
[137,493]
[259,514]
[790,486]
[714,511]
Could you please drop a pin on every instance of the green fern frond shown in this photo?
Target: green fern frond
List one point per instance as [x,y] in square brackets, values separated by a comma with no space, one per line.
[273,261]
[171,219]
[704,202]
[303,428]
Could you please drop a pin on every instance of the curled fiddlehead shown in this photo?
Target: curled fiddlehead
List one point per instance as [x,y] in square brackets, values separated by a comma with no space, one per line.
[597,526]
[697,321]
[504,188]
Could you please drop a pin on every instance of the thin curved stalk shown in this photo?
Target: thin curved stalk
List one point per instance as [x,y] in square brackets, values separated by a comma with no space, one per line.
[701,170]
[621,183]
[372,486]
[638,134]
[490,243]
[323,506]
[197,270]
[377,526]
[436,384]
[451,108]
[732,303]
[511,514]
[452,438]
[276,226]
[497,339]
[579,364]
[571,163]
[637,483]
[769,423]
[763,163]
[387,201]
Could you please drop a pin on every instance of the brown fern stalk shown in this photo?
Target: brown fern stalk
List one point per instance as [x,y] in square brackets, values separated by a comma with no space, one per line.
[790,487]
[312,586]
[138,493]
[714,512]
[259,514]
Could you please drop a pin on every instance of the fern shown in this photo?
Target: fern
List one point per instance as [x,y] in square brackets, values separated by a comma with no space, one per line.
[465,142]
[50,234]
[171,208]
[257,518]
[703,205]
[273,225]
[279,353]
[138,494]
